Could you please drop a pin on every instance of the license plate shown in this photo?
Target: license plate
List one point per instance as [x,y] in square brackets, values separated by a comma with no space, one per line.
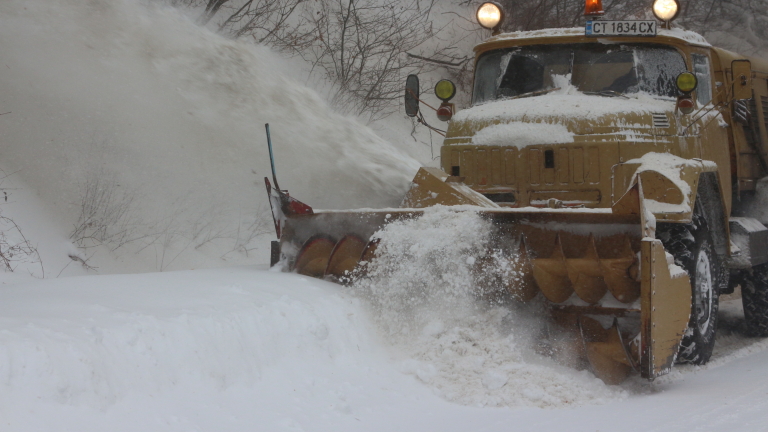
[620,28]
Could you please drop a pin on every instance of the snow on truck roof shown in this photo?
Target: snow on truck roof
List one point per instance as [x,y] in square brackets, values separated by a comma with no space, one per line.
[676,33]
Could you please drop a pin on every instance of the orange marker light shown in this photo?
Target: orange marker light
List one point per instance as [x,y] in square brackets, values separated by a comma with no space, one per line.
[445,112]
[685,104]
[593,8]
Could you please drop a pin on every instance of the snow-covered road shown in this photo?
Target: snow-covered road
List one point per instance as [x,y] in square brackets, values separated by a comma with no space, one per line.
[249,349]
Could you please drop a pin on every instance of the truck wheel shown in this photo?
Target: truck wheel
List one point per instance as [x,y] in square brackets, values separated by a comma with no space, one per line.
[754,297]
[692,247]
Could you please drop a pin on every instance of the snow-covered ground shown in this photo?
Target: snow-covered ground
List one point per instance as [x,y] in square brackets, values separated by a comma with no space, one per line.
[250,349]
[169,118]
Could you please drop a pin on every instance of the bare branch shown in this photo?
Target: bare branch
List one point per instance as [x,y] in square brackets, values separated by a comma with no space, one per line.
[440,62]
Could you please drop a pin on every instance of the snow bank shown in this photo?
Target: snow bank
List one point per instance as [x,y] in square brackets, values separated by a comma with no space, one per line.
[467,343]
[243,349]
[95,341]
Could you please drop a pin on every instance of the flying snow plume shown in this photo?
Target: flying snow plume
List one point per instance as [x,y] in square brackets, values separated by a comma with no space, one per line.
[172,115]
[468,345]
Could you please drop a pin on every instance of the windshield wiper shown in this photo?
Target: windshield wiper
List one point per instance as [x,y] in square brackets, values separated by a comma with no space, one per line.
[611,93]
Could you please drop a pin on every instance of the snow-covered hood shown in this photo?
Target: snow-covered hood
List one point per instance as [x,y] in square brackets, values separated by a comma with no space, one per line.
[560,118]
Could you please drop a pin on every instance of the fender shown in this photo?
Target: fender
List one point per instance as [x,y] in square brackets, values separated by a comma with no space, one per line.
[670,188]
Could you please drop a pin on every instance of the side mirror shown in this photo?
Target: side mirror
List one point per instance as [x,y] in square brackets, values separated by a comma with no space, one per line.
[412,95]
[741,71]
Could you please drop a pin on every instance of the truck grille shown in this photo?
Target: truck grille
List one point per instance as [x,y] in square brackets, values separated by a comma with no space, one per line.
[538,165]
[660,120]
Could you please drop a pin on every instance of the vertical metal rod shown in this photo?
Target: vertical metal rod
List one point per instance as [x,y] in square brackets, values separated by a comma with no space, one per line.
[271,157]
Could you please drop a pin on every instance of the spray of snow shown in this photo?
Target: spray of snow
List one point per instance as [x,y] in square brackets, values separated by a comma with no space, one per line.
[174,116]
[469,344]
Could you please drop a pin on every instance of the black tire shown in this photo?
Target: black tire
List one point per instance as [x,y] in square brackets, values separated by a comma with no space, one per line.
[694,251]
[754,297]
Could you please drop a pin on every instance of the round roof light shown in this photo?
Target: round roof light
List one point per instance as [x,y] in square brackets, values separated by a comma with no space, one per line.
[686,82]
[489,15]
[445,90]
[666,10]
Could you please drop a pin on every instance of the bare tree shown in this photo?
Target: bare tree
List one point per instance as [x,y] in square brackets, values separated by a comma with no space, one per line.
[362,46]
[107,214]
[745,21]
[275,23]
[15,249]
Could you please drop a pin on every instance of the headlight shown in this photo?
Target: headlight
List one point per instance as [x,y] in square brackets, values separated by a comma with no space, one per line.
[489,15]
[666,10]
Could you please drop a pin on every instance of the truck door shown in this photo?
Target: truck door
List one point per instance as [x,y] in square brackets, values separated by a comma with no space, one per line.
[713,137]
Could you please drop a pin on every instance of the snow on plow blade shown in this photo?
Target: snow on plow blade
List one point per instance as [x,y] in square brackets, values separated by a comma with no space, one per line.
[603,279]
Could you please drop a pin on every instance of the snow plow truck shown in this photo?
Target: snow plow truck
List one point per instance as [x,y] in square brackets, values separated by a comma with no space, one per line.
[621,163]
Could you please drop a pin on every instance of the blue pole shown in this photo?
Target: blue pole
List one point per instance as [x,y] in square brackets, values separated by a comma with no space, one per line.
[271,157]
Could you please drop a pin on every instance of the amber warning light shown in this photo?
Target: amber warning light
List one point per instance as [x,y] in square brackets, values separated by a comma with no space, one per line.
[593,8]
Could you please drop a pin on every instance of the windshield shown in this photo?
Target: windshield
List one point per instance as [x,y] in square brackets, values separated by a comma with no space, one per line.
[590,68]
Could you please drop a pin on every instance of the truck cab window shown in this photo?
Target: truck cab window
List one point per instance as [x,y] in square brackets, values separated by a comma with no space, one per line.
[701,70]
[606,70]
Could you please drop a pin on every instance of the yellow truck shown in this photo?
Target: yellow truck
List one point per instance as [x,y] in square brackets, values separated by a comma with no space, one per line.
[620,165]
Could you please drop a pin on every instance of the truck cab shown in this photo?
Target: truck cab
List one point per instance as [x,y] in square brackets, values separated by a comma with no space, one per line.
[556,114]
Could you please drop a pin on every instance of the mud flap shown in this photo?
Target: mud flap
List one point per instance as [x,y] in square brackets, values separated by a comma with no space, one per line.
[665,310]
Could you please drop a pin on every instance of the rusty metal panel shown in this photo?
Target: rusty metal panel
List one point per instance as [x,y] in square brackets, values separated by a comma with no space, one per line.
[534,165]
[468,166]
[562,162]
[482,167]
[510,159]
[577,154]
[593,164]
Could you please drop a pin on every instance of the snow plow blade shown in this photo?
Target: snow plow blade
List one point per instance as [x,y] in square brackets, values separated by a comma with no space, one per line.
[604,280]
